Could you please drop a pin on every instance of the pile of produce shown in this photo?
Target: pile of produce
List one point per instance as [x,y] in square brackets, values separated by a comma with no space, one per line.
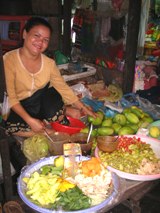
[126,123]
[132,156]
[35,147]
[115,93]
[51,187]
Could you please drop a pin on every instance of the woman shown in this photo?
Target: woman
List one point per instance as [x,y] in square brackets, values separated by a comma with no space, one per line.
[35,87]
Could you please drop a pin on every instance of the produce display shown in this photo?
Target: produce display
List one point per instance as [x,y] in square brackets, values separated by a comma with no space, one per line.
[126,123]
[132,155]
[51,186]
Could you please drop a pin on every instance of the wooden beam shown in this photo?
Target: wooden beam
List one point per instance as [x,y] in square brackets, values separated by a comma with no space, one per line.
[7,177]
[131,44]
[67,7]
[2,74]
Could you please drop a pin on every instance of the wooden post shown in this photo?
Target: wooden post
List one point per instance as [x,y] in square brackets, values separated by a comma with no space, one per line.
[7,177]
[67,7]
[131,44]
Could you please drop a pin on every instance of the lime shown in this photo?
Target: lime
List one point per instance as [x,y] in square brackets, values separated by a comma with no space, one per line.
[85,130]
[154,131]
[95,121]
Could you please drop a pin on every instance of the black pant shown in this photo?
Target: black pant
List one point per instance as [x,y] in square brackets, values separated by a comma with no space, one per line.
[43,104]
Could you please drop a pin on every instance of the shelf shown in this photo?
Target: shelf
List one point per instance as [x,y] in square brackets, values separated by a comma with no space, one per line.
[91,71]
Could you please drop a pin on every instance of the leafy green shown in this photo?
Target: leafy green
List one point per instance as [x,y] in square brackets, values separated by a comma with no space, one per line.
[72,199]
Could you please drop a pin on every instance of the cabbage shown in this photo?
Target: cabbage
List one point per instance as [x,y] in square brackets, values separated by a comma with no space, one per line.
[35,147]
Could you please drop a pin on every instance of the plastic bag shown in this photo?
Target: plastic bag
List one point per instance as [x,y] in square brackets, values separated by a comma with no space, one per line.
[99,106]
[80,90]
[5,107]
[60,58]
[128,100]
[35,147]
[152,109]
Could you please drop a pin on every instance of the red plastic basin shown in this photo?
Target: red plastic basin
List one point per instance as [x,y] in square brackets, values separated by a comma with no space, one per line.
[75,126]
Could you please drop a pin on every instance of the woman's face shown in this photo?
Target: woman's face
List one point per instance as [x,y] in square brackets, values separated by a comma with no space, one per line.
[37,39]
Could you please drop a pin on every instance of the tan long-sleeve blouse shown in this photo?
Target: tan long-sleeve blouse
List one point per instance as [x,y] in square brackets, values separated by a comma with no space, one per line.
[22,84]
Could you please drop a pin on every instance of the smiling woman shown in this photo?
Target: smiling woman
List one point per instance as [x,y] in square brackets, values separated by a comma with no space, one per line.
[35,87]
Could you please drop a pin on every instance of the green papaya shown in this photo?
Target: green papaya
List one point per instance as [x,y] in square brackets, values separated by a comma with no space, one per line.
[132,118]
[126,130]
[135,127]
[120,118]
[137,112]
[126,110]
[100,114]
[116,127]
[107,122]
[105,131]
[148,119]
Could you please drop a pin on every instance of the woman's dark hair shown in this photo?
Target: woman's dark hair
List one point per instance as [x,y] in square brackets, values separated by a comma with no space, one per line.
[35,21]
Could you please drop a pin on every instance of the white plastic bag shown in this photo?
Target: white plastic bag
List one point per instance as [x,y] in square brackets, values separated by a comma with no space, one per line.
[5,107]
[81,91]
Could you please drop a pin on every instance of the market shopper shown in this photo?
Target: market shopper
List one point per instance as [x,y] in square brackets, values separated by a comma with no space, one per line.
[35,87]
[151,77]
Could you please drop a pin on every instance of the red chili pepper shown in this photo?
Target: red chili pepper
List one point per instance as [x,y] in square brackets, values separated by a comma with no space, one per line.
[125,142]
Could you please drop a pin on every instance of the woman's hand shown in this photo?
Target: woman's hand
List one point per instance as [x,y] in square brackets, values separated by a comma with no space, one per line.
[88,111]
[84,110]
[36,125]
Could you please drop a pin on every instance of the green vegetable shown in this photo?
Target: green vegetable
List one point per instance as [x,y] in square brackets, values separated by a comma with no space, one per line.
[72,200]
[51,169]
[42,189]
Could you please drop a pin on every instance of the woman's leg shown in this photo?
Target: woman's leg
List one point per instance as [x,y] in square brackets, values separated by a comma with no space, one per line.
[52,105]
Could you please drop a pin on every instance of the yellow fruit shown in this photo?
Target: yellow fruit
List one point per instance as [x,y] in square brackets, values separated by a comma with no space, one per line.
[154,131]
[59,161]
